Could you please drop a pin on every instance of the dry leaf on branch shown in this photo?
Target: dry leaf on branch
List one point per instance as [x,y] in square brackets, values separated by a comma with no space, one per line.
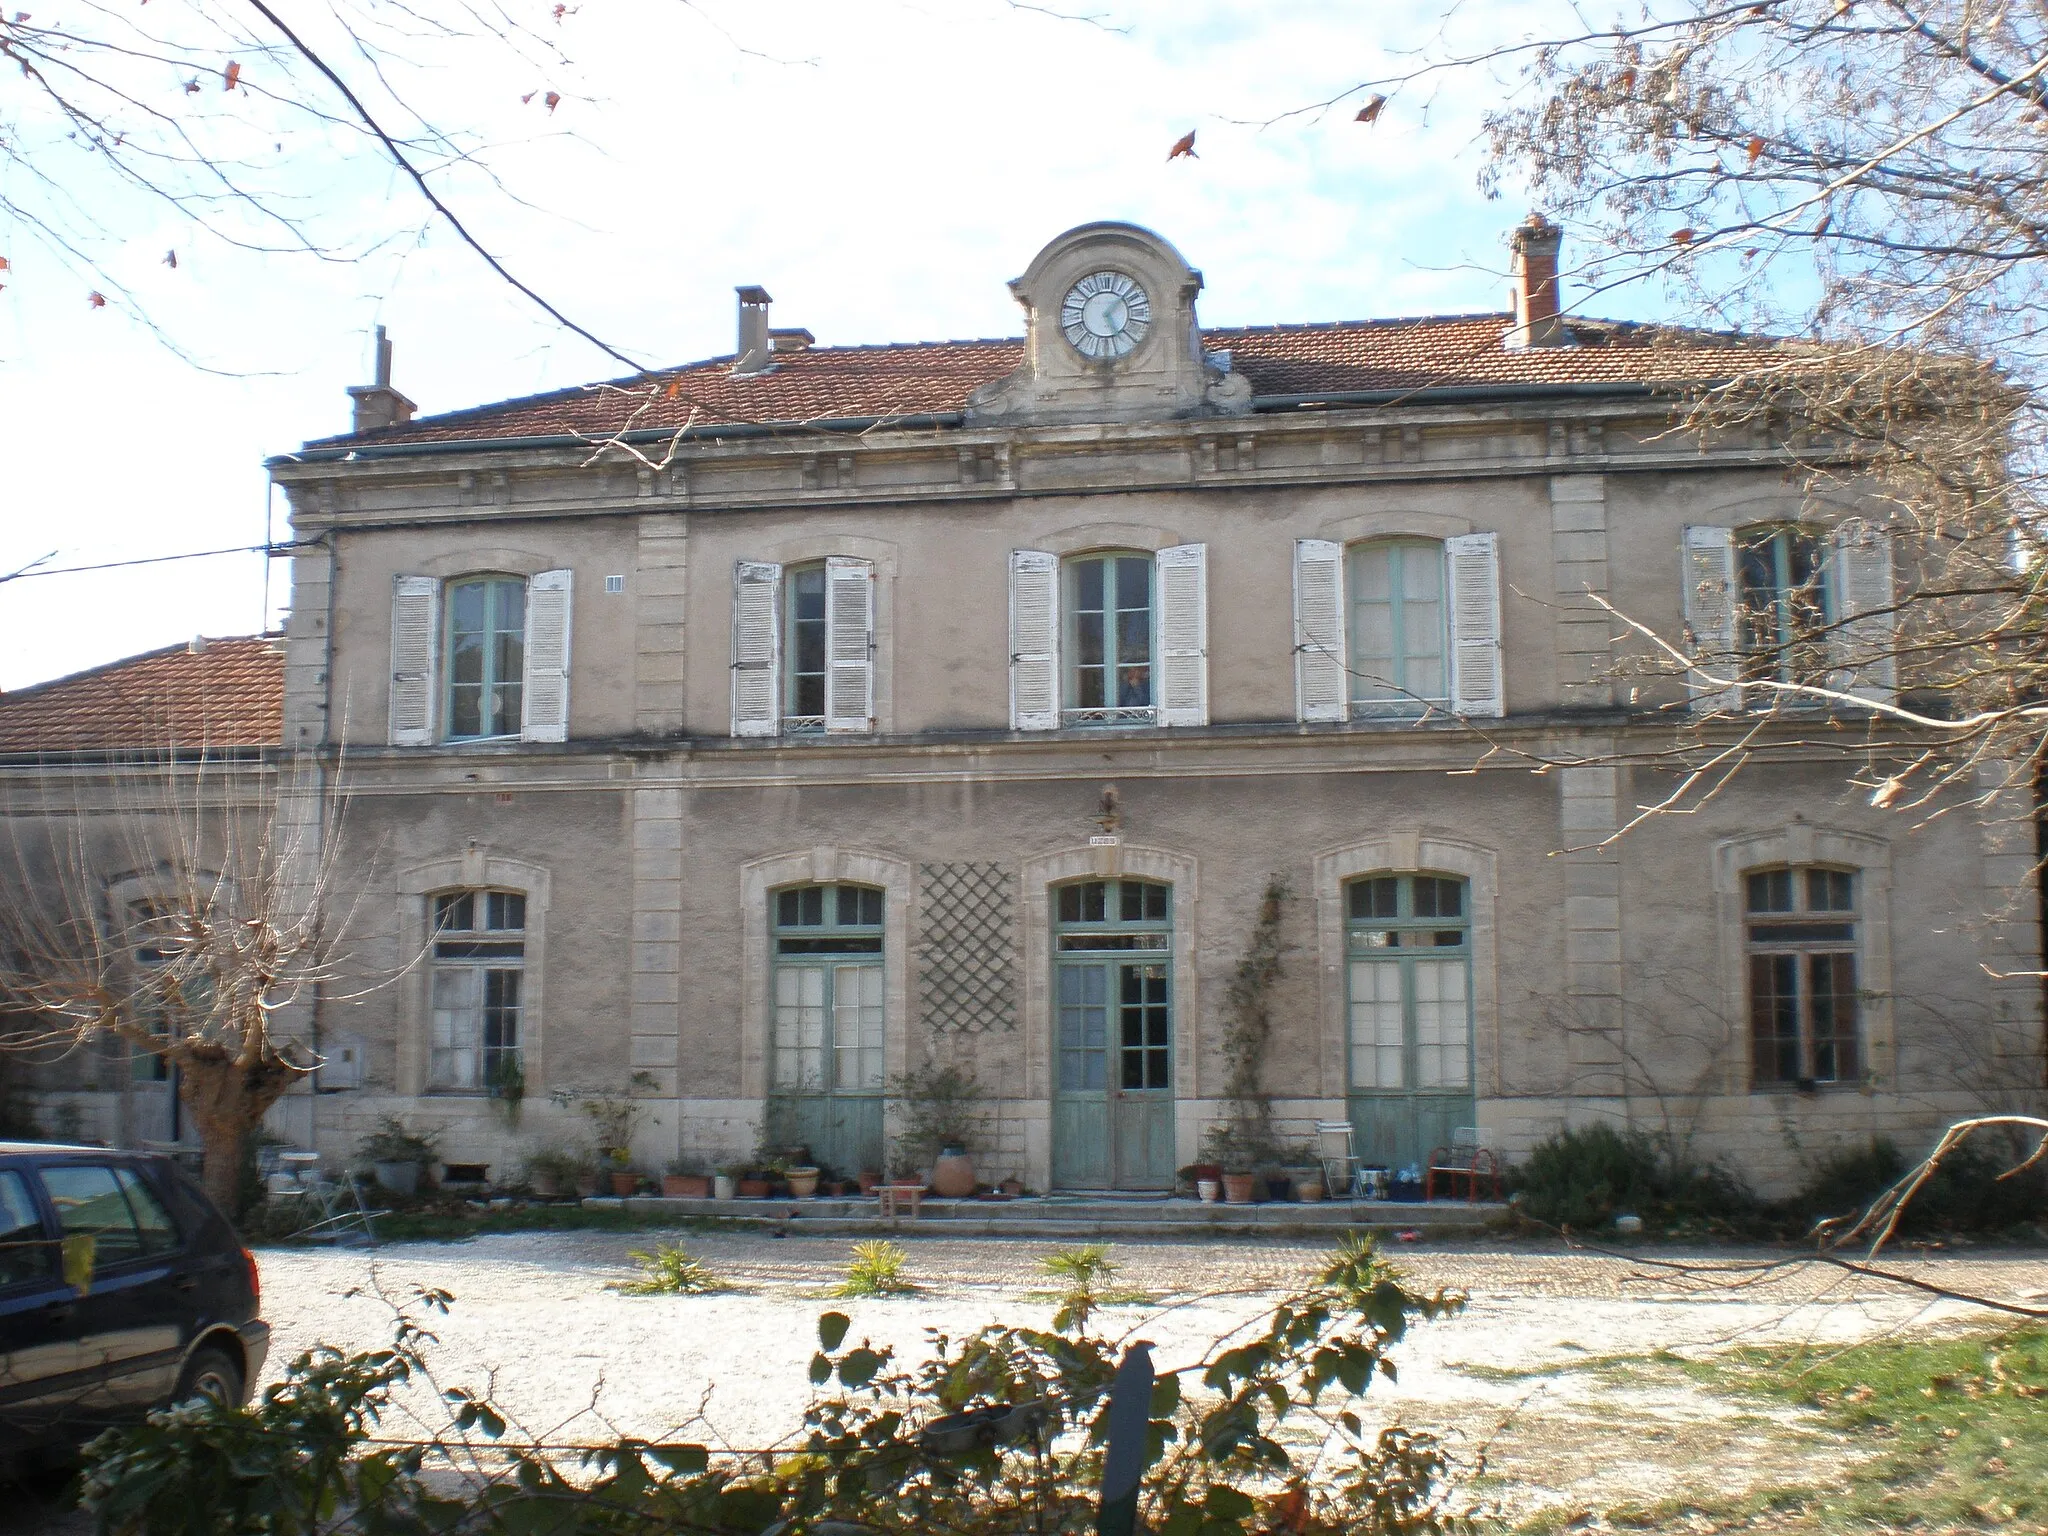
[1184,145]
[553,99]
[171,260]
[1683,236]
[230,75]
[192,87]
[96,299]
[3,263]
[528,97]
[1370,112]
[1756,148]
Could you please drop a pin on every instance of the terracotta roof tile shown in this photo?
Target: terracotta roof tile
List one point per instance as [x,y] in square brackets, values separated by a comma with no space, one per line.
[928,378]
[229,694]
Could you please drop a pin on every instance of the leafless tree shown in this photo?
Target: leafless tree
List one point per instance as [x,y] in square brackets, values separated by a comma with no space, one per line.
[181,906]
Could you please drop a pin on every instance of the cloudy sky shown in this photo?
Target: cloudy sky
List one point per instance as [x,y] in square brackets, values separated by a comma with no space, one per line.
[883,167]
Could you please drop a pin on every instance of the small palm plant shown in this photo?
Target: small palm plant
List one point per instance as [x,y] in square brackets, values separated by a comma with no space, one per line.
[671,1270]
[1087,1271]
[876,1270]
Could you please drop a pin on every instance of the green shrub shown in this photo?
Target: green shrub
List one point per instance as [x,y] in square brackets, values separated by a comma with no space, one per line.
[671,1270]
[876,1270]
[1584,1177]
[1965,1194]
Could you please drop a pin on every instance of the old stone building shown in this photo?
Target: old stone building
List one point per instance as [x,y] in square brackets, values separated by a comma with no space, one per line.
[754,732]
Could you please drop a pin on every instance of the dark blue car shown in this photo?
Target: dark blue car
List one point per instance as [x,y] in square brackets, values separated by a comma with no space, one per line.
[122,1288]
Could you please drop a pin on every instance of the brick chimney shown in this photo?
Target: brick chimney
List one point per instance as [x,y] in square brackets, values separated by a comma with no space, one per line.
[1534,291]
[378,404]
[756,352]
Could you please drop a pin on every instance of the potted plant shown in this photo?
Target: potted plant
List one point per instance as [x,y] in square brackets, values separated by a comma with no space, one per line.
[1239,1188]
[684,1179]
[941,1124]
[552,1170]
[866,1180]
[624,1180]
[803,1182]
[396,1154]
[1235,1153]
[1206,1179]
[725,1182]
[756,1184]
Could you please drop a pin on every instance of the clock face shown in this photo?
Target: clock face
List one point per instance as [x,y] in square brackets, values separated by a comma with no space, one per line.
[1105,314]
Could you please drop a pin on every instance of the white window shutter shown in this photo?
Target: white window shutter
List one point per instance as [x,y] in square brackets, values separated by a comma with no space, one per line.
[1034,640]
[1863,639]
[1472,563]
[849,644]
[1322,679]
[415,637]
[1183,571]
[756,648]
[544,700]
[1710,613]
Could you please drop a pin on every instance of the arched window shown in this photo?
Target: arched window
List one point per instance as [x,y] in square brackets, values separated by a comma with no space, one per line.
[1109,640]
[478,975]
[828,994]
[1786,607]
[1408,943]
[1398,626]
[486,649]
[1803,1014]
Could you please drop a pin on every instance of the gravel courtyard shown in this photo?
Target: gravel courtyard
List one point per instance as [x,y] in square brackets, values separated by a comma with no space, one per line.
[535,1323]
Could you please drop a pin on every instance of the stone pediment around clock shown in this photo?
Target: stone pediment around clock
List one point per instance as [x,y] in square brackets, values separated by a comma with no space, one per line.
[1135,355]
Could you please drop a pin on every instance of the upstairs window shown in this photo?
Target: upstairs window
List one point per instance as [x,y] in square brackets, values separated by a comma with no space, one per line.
[1803,1002]
[1109,641]
[486,651]
[803,647]
[477,980]
[1399,629]
[481,658]
[1784,606]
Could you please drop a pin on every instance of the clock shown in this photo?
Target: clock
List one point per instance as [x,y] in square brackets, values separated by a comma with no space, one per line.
[1105,315]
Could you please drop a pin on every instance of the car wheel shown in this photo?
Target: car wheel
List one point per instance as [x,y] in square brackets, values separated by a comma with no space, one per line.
[211,1374]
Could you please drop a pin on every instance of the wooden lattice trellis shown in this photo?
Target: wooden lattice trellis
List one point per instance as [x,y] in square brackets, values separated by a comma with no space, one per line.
[967,947]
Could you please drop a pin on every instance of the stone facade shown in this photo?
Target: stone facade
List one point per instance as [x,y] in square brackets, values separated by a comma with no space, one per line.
[1607,972]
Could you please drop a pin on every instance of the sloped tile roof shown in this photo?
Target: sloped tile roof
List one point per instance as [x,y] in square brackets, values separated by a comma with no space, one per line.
[931,378]
[228,694]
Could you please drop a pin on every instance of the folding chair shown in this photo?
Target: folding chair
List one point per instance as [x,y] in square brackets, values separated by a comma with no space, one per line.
[1467,1161]
[333,1211]
[1341,1178]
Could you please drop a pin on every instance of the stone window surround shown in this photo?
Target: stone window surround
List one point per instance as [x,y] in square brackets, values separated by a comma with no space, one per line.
[884,556]
[476,867]
[1041,874]
[1797,846]
[1408,853]
[825,865]
[477,561]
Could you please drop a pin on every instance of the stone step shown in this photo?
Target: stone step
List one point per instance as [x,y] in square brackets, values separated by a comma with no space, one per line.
[1067,1216]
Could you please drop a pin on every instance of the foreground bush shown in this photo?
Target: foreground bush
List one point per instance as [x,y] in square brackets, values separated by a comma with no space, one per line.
[1583,1178]
[999,1432]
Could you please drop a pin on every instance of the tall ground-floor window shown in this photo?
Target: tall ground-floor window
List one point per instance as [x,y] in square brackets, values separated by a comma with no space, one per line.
[479,973]
[1408,950]
[1802,976]
[827,1034]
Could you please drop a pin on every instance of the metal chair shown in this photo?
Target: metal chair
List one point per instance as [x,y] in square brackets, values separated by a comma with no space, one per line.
[1341,1178]
[1466,1161]
[334,1210]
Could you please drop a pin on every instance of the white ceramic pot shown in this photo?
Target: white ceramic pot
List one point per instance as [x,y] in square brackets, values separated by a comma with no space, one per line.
[1208,1189]
[722,1186]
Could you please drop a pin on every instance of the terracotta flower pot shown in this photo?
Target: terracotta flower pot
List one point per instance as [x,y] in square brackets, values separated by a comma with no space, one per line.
[586,1184]
[803,1182]
[1238,1187]
[1308,1191]
[867,1179]
[754,1189]
[685,1186]
[953,1174]
[624,1182]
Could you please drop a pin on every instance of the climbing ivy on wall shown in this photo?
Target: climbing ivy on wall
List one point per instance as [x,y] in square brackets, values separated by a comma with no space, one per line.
[1247,1135]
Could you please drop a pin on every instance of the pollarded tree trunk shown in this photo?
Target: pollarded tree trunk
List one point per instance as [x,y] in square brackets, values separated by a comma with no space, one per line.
[228,1098]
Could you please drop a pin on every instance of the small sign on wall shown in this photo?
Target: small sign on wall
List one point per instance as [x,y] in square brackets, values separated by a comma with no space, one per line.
[1105,841]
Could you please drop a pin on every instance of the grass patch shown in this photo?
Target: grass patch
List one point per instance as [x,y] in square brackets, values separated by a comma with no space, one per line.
[876,1269]
[1616,1367]
[671,1270]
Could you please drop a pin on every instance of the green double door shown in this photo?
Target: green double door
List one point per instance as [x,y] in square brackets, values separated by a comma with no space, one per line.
[1112,1114]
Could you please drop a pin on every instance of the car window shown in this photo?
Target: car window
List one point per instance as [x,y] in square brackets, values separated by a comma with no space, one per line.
[89,1204]
[159,1233]
[25,1253]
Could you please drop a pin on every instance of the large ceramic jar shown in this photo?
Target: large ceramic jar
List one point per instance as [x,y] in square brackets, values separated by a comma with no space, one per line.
[953,1174]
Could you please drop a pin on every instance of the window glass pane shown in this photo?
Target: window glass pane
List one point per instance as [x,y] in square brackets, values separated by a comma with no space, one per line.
[785,908]
[1373,898]
[89,1204]
[158,1232]
[1830,890]
[1131,902]
[1371,573]
[469,607]
[25,1254]
[1134,582]
[811,906]
[507,911]
[1774,1018]
[871,907]
[455,912]
[1770,890]
[1094,902]
[1088,585]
